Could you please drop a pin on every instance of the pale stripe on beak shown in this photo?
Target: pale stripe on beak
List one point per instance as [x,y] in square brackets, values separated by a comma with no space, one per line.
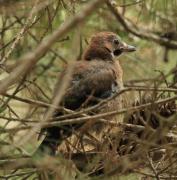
[127,48]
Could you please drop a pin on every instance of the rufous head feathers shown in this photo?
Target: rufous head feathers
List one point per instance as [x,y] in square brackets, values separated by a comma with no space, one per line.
[106,45]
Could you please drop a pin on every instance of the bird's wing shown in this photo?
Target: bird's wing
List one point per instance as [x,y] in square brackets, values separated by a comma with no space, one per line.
[91,81]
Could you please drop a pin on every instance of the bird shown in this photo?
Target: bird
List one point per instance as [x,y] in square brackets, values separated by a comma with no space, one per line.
[97,76]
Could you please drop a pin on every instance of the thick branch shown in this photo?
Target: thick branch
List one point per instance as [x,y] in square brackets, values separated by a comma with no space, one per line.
[140,32]
[29,60]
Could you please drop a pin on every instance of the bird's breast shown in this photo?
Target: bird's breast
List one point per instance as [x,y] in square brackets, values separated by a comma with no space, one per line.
[118,73]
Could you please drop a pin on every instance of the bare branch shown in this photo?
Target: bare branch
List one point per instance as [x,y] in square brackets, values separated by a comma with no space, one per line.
[139,32]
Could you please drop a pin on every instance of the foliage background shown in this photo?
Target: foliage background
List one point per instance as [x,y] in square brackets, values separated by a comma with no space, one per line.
[24,25]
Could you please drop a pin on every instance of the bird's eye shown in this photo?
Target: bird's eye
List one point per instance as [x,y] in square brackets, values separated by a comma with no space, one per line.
[116,41]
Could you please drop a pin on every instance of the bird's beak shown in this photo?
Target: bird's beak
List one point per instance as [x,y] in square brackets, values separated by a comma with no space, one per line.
[127,48]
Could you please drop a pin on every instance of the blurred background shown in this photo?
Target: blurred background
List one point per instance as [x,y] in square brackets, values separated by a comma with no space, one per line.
[150,25]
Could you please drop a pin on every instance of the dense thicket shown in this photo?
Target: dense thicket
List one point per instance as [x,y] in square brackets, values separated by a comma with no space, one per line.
[38,38]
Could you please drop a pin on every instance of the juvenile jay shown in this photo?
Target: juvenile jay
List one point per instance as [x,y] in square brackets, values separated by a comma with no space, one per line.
[96,77]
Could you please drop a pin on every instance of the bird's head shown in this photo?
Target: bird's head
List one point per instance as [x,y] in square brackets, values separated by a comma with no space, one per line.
[106,45]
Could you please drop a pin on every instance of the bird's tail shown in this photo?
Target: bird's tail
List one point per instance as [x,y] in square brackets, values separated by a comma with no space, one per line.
[47,147]
[51,142]
[54,137]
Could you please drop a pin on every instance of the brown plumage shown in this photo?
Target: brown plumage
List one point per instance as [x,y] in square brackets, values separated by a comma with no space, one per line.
[98,75]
